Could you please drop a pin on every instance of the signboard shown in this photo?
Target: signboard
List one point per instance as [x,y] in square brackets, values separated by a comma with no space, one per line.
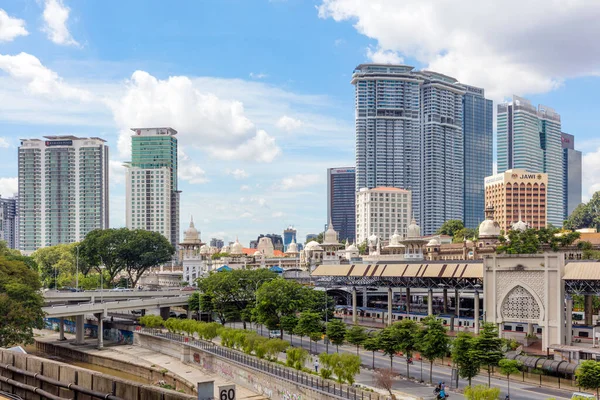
[59,143]
[343,171]
[206,390]
[226,392]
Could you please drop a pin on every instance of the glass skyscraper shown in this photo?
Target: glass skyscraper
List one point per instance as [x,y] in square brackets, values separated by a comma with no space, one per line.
[9,226]
[63,190]
[530,138]
[289,236]
[409,135]
[478,161]
[151,183]
[571,174]
[341,201]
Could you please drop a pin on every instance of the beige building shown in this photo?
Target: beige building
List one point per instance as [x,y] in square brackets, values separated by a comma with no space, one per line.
[382,211]
[518,195]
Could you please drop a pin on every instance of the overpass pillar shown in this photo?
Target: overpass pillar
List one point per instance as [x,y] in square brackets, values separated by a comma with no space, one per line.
[79,329]
[445,300]
[164,312]
[364,299]
[430,302]
[476,316]
[588,309]
[390,299]
[569,321]
[188,312]
[61,329]
[100,330]
[407,300]
[456,303]
[354,316]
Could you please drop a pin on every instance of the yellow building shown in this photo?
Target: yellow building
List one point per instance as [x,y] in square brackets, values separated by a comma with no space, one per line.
[518,196]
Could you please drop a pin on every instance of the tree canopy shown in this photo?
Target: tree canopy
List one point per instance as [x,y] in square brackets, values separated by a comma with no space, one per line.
[407,332]
[20,303]
[463,357]
[588,375]
[276,299]
[530,241]
[486,348]
[336,332]
[450,227]
[586,215]
[432,341]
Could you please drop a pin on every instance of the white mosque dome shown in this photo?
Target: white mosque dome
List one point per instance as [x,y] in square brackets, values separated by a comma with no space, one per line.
[237,248]
[257,253]
[292,248]
[413,230]
[352,248]
[204,249]
[489,228]
[434,242]
[313,245]
[331,236]
[395,239]
[519,226]
[373,239]
[191,234]
[225,249]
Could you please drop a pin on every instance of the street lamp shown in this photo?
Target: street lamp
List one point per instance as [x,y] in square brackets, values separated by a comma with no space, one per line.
[77,270]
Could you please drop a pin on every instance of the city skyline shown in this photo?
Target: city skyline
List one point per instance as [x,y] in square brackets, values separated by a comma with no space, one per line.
[255,136]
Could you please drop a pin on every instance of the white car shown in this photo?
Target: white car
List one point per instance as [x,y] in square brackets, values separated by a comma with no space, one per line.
[580,395]
[275,334]
[122,289]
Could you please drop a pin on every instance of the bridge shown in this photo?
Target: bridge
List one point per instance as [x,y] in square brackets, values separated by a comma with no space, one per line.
[101,302]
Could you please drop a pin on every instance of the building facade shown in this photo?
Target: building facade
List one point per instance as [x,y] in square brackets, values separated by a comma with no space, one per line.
[518,195]
[289,236]
[9,228]
[63,190]
[341,201]
[478,162]
[277,240]
[410,135]
[382,212]
[571,174]
[530,138]
[151,183]
[218,243]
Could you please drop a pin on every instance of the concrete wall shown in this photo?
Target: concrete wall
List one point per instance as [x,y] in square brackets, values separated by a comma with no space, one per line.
[256,381]
[70,374]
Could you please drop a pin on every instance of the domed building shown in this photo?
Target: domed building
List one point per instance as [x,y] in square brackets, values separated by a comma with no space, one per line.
[331,246]
[520,225]
[191,252]
[413,242]
[191,241]
[395,245]
[236,249]
[489,229]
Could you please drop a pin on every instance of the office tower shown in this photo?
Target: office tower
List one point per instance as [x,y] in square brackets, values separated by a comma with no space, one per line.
[341,201]
[518,195]
[151,183]
[218,243]
[311,236]
[382,211]
[478,135]
[63,190]
[409,134]
[571,174]
[289,236]
[9,222]
[530,138]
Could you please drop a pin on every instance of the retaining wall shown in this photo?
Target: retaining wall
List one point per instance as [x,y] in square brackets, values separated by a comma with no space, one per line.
[93,380]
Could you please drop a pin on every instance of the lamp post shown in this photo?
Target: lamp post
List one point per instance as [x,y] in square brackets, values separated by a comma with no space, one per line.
[77,270]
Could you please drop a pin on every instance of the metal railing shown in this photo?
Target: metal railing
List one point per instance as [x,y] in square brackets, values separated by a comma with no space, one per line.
[309,381]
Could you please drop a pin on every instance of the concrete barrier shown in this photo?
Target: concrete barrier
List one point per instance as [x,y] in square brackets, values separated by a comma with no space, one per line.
[88,379]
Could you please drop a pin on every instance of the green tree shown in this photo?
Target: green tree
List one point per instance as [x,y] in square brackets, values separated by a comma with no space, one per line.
[296,357]
[407,332]
[336,332]
[276,299]
[318,239]
[54,261]
[530,241]
[288,324]
[101,248]
[309,323]
[20,303]
[372,344]
[585,215]
[481,392]
[450,227]
[356,336]
[462,355]
[508,368]
[465,234]
[486,348]
[363,248]
[588,374]
[152,321]
[142,250]
[389,343]
[432,341]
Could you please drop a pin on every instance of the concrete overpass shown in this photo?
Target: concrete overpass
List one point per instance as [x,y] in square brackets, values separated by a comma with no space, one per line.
[53,296]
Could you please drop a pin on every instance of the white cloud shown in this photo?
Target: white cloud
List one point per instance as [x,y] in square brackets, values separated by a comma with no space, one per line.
[244,188]
[300,181]
[11,27]
[591,174]
[38,79]
[237,173]
[381,56]
[521,47]
[246,215]
[202,119]
[9,186]
[258,75]
[288,123]
[277,214]
[188,170]
[56,15]
[116,172]
[338,42]
[4,143]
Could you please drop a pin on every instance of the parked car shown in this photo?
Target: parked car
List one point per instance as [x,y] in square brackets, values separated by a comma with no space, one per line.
[136,312]
[188,288]
[581,395]
[122,289]
[275,334]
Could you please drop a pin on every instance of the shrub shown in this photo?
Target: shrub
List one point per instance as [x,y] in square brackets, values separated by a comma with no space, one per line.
[296,357]
[481,392]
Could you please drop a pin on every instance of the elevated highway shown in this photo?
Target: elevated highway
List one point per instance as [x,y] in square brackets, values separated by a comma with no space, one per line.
[91,296]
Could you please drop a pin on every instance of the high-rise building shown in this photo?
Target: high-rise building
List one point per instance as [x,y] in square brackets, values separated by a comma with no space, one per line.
[341,201]
[478,161]
[63,190]
[151,183]
[518,195]
[289,236]
[409,134]
[9,229]
[382,211]
[311,236]
[218,243]
[571,174]
[530,138]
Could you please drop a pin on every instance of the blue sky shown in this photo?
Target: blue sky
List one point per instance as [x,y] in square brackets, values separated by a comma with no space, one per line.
[260,90]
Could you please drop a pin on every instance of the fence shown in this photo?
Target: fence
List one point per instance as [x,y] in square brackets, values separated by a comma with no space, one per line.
[308,381]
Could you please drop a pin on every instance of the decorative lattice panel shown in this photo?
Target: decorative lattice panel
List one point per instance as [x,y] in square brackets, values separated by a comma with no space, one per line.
[520,304]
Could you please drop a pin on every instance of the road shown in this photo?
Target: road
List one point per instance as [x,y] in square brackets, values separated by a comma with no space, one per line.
[518,390]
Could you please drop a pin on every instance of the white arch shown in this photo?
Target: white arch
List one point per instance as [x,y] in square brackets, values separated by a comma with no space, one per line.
[531,292]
